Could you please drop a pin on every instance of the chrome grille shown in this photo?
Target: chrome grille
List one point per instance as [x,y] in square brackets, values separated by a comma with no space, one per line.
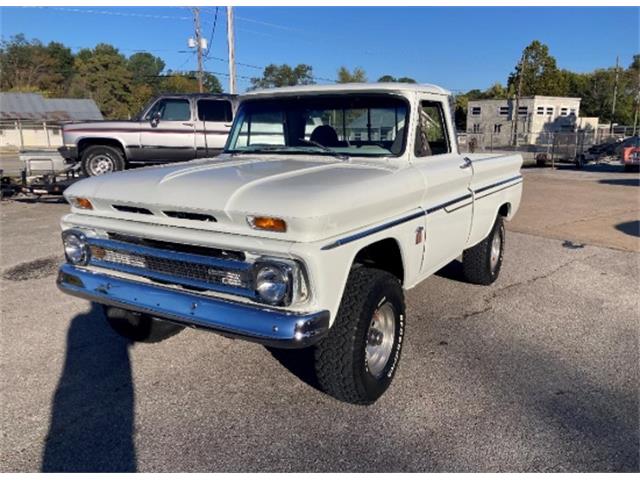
[167,266]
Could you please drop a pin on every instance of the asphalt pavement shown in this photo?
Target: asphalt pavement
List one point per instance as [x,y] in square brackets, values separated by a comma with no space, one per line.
[538,372]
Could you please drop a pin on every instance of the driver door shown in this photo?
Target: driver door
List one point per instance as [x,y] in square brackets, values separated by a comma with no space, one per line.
[168,131]
[447,200]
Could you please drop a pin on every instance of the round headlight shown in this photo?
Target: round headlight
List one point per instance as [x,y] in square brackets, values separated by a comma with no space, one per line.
[272,284]
[76,249]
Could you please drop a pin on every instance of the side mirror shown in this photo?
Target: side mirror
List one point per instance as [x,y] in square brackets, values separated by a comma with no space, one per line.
[155,119]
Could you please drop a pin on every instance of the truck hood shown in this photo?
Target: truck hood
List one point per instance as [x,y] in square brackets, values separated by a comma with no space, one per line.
[319,197]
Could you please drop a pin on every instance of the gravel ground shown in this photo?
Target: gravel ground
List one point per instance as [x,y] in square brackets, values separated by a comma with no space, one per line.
[538,372]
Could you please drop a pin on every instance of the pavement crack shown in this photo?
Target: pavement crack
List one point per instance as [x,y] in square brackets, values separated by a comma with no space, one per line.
[488,300]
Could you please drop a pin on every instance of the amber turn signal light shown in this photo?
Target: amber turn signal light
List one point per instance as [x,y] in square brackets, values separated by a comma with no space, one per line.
[82,203]
[270,224]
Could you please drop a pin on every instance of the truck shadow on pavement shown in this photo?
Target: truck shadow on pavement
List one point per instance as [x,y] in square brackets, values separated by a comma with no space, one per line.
[92,417]
[621,182]
[299,363]
[452,271]
[630,228]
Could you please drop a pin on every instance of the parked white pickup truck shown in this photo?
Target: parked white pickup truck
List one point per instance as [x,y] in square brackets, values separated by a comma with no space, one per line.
[327,204]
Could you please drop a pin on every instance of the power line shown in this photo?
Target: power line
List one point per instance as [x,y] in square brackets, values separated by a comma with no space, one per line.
[114,13]
[213,31]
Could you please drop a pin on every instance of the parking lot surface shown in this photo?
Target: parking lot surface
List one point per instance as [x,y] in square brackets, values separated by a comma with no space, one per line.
[538,372]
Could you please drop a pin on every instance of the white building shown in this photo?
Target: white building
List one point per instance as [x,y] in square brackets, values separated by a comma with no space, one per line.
[537,118]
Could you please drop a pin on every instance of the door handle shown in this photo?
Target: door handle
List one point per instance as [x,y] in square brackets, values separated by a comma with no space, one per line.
[466,162]
[187,124]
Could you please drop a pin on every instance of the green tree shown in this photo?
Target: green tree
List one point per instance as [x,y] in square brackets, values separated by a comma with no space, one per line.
[62,71]
[103,74]
[283,75]
[29,66]
[390,78]
[187,82]
[357,76]
[540,74]
[145,68]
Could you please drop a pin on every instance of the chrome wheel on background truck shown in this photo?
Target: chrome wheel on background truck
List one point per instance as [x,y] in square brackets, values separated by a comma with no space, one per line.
[101,159]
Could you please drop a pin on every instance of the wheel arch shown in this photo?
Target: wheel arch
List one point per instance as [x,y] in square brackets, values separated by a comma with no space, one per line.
[384,254]
[505,211]
[87,142]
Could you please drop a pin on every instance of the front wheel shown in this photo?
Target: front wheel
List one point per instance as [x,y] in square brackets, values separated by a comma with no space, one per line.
[358,358]
[481,263]
[139,327]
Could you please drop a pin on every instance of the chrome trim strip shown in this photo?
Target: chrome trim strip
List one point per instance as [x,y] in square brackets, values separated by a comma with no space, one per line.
[499,190]
[497,184]
[448,203]
[371,231]
[430,210]
[254,323]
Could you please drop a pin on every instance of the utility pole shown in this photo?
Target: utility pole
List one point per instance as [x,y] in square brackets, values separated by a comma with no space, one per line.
[635,115]
[232,55]
[196,21]
[615,97]
[517,106]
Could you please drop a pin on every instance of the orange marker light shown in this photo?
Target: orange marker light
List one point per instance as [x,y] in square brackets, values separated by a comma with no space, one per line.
[82,203]
[270,224]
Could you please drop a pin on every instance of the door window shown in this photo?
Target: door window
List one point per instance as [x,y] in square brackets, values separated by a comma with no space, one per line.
[214,110]
[171,109]
[431,134]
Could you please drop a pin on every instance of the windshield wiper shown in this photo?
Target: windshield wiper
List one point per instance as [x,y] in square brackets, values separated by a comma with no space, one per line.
[259,149]
[341,156]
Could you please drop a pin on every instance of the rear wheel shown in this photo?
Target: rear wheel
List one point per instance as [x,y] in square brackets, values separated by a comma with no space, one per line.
[101,159]
[357,360]
[481,263]
[139,327]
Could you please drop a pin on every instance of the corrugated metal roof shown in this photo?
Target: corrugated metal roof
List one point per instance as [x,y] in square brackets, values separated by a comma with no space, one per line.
[33,106]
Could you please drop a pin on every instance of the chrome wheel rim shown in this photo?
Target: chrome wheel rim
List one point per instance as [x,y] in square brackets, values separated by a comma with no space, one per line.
[496,247]
[101,164]
[380,339]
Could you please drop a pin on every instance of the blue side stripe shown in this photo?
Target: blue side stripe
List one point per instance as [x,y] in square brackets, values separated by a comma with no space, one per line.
[413,216]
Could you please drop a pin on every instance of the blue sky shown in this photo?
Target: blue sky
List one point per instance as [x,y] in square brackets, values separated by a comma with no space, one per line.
[459,48]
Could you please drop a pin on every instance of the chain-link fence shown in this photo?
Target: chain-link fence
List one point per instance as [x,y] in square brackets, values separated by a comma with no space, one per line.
[551,146]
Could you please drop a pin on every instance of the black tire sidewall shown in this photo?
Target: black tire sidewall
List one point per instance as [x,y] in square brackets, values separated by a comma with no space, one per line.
[498,229]
[112,153]
[386,290]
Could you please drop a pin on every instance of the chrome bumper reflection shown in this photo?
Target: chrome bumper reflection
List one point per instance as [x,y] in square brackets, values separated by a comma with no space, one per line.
[253,323]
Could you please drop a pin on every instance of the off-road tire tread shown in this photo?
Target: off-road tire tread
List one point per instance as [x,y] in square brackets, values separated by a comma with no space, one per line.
[334,354]
[475,263]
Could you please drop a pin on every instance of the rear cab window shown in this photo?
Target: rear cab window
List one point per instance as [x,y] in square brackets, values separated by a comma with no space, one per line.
[214,111]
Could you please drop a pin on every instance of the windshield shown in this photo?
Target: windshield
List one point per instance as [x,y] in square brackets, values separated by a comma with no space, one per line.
[344,125]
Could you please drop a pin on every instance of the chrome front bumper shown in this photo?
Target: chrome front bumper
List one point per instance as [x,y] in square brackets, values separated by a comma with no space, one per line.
[257,324]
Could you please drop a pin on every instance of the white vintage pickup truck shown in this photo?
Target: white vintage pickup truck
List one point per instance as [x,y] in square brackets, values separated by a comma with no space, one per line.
[327,204]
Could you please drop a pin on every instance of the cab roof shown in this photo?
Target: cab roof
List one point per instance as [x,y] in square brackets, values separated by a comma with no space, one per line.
[350,88]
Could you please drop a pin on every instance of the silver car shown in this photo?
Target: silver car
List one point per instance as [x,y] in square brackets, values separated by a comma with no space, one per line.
[172,128]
